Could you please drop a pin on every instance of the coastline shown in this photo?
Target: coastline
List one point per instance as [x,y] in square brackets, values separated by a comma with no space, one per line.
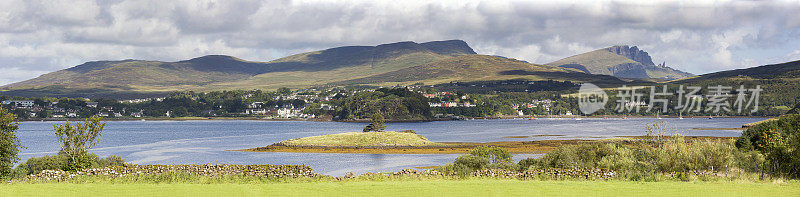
[367,121]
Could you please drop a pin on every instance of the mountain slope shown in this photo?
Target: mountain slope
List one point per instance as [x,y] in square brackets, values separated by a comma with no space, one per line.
[620,61]
[387,64]
[780,84]
[773,71]
[225,72]
[477,68]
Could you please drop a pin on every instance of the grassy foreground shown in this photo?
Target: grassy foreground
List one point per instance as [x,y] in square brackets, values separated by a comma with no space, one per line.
[474,187]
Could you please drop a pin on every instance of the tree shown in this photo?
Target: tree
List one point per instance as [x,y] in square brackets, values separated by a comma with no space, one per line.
[284,91]
[376,124]
[77,140]
[9,143]
[180,111]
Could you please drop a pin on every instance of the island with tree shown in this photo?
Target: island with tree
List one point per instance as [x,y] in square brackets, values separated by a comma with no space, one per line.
[374,140]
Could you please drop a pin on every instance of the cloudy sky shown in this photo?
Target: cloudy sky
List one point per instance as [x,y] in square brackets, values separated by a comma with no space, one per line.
[38,37]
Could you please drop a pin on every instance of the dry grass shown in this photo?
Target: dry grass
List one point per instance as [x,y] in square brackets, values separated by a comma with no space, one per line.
[388,138]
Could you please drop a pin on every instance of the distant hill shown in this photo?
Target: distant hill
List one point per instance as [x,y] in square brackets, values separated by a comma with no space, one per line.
[387,64]
[469,68]
[780,84]
[620,61]
[773,71]
[213,72]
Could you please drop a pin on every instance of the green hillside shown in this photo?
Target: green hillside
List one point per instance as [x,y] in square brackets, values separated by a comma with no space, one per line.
[215,72]
[387,64]
[774,71]
[468,68]
[620,61]
[780,83]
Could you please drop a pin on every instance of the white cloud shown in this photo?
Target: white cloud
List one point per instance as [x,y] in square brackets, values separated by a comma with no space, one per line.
[793,56]
[68,12]
[696,36]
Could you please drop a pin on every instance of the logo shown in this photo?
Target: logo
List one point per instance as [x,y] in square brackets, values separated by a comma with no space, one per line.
[591,98]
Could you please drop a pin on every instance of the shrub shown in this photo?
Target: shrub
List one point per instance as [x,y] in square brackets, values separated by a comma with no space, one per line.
[579,156]
[751,161]
[494,154]
[80,162]
[111,160]
[640,160]
[47,162]
[679,156]
[9,143]
[526,163]
[471,162]
[62,162]
[778,141]
[480,158]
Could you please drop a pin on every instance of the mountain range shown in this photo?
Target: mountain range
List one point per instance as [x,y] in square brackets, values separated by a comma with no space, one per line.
[620,61]
[402,63]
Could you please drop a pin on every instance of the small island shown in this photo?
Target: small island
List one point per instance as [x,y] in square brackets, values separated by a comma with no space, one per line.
[373,140]
[365,139]
[402,142]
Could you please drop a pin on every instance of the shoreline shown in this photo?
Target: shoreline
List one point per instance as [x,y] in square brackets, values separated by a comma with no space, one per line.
[366,121]
[514,147]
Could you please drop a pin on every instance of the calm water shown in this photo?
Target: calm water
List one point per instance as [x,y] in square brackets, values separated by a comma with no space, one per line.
[200,142]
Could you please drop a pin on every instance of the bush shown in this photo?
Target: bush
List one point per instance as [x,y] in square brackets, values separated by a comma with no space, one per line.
[751,161]
[80,162]
[471,162]
[641,159]
[526,163]
[112,160]
[494,154]
[63,162]
[480,158]
[679,156]
[778,141]
[37,164]
[583,156]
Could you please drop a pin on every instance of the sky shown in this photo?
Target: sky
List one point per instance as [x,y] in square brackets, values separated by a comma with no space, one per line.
[38,37]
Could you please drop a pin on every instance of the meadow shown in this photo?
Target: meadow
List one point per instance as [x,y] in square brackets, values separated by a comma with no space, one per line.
[469,187]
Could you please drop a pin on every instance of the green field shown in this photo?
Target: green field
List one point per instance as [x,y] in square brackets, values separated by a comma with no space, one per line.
[485,187]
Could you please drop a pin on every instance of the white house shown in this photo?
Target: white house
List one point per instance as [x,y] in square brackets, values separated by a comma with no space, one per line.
[18,103]
[434,104]
[256,111]
[256,105]
[327,107]
[285,113]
